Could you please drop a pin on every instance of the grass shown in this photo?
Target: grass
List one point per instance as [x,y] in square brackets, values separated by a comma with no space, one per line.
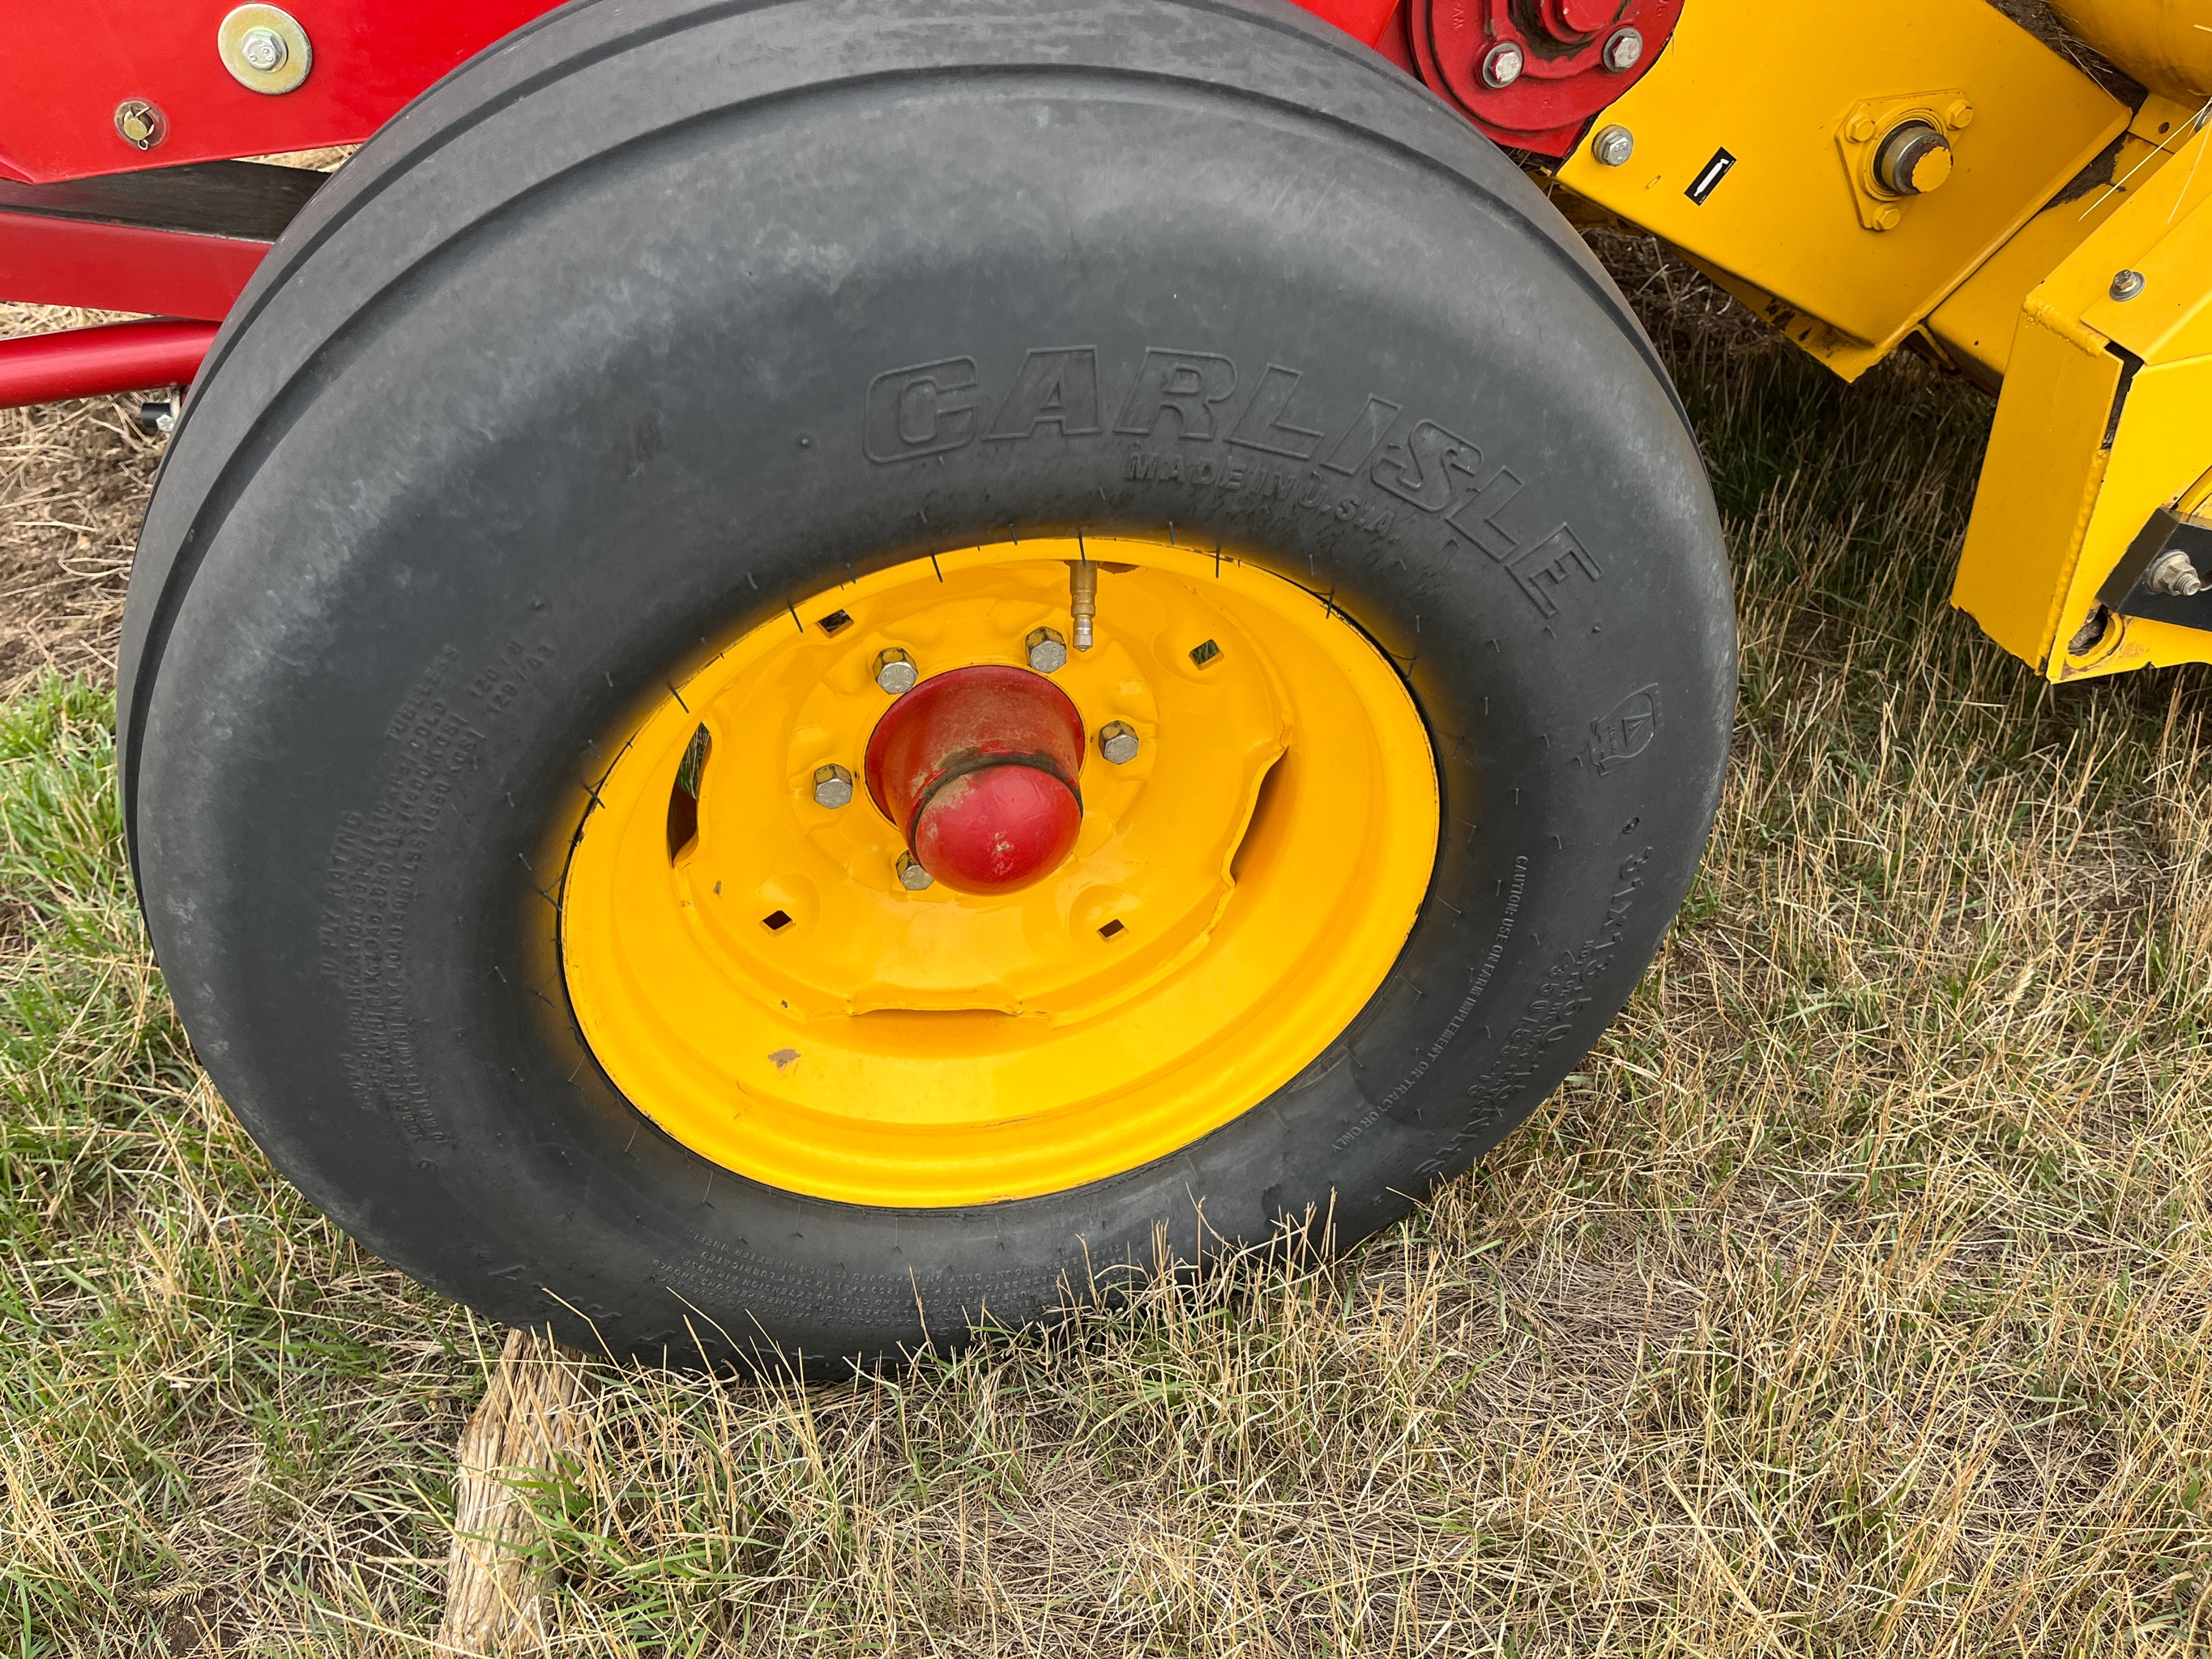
[1855,1297]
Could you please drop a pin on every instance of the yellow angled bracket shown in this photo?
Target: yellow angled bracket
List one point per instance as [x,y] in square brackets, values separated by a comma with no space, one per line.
[2106,417]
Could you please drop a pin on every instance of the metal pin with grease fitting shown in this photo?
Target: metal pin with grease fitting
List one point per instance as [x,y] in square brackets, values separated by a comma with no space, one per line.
[1082,599]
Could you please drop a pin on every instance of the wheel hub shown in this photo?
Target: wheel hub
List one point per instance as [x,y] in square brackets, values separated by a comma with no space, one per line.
[977,767]
[761,961]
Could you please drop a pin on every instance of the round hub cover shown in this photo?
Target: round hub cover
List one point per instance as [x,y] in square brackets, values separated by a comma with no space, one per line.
[977,767]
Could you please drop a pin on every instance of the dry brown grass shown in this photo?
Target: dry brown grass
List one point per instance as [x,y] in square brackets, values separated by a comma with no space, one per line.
[1854,1298]
[73,482]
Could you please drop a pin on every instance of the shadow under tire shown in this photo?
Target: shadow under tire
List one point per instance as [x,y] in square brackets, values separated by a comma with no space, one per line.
[660,329]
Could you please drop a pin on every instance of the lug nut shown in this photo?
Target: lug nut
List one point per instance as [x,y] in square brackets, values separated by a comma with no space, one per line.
[1117,742]
[1624,50]
[1048,650]
[263,48]
[2127,284]
[894,671]
[833,786]
[1502,65]
[141,125]
[1613,146]
[2173,573]
[911,875]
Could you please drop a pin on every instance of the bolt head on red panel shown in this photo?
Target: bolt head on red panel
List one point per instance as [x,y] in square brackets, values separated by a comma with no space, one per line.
[1575,57]
[977,767]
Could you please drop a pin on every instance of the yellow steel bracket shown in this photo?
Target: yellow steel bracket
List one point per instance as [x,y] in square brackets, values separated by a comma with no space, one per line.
[2106,416]
[1753,149]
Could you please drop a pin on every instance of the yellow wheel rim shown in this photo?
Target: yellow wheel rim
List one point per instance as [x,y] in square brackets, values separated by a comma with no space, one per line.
[751,973]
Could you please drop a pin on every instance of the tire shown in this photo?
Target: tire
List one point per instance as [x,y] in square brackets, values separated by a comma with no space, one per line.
[593,362]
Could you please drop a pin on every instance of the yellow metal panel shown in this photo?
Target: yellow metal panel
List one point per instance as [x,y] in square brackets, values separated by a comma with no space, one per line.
[2164,441]
[2038,483]
[1773,87]
[1975,325]
[2170,227]
[2056,506]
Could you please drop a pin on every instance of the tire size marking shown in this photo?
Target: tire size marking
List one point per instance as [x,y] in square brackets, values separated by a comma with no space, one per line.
[1548,1019]
[1178,397]
[368,885]
[1387,1105]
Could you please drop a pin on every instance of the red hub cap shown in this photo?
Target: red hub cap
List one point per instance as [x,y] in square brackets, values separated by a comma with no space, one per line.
[977,767]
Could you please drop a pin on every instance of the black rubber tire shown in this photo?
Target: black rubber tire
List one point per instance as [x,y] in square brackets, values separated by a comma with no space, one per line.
[584,361]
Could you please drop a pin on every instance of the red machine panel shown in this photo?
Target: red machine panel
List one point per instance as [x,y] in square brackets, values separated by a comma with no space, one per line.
[66,70]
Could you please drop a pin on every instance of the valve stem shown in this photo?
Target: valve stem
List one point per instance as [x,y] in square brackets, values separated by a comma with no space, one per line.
[1082,599]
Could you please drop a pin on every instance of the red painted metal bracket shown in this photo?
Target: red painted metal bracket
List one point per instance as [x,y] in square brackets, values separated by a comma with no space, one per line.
[72,262]
[66,69]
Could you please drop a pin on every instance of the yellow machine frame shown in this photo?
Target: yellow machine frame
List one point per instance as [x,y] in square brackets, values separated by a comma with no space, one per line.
[2065,262]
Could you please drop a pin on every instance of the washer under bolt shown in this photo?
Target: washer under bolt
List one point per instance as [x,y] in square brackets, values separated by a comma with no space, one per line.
[894,671]
[2173,573]
[1502,65]
[1613,146]
[1624,50]
[2127,284]
[1048,650]
[911,875]
[833,786]
[1117,741]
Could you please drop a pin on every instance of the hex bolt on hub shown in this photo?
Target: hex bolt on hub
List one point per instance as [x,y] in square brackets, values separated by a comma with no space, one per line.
[894,671]
[911,875]
[2174,573]
[2127,284]
[1117,742]
[833,786]
[1047,649]
[1623,50]
[1613,146]
[1502,65]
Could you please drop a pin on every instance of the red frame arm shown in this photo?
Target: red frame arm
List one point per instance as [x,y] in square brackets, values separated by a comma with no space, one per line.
[84,362]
